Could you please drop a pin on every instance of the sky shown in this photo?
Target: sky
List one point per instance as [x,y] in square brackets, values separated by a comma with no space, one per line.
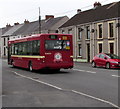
[12,11]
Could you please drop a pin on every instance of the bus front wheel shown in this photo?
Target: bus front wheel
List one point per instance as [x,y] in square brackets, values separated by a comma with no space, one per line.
[12,63]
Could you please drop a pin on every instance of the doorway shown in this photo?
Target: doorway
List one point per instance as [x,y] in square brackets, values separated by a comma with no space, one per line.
[88,52]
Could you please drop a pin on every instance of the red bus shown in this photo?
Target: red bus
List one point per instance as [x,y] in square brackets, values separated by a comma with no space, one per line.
[40,51]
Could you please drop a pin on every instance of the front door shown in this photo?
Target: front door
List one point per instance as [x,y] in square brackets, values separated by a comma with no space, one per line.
[88,52]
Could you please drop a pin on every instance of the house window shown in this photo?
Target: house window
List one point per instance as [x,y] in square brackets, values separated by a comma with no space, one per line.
[56,31]
[70,31]
[111,48]
[79,33]
[100,47]
[4,42]
[8,38]
[4,51]
[63,31]
[88,32]
[111,30]
[100,31]
[79,50]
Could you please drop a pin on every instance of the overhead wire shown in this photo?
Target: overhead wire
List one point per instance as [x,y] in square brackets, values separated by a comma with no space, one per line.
[55,14]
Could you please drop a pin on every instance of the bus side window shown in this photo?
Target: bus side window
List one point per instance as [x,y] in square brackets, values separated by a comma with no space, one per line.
[36,46]
[16,49]
[24,48]
[29,48]
[12,49]
[20,48]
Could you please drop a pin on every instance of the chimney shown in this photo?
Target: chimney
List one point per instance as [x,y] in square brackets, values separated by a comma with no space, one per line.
[78,11]
[16,23]
[26,21]
[97,4]
[48,17]
[8,25]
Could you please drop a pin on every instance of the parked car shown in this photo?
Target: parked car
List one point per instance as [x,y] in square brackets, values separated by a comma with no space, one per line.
[106,60]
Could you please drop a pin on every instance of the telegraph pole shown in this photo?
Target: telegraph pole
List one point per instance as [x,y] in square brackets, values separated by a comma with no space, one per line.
[39,22]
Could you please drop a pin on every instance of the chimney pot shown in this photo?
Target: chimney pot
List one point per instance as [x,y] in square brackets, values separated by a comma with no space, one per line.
[8,25]
[97,4]
[78,11]
[26,21]
[48,17]
[16,23]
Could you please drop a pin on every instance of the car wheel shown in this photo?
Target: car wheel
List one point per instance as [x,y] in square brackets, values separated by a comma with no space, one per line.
[93,64]
[30,66]
[107,65]
[56,70]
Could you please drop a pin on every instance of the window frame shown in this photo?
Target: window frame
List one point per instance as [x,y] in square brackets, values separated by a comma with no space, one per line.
[99,35]
[109,30]
[80,50]
[79,34]
[101,42]
[88,32]
[109,42]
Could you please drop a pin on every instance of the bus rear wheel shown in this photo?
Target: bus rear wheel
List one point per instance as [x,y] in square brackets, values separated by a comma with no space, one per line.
[30,66]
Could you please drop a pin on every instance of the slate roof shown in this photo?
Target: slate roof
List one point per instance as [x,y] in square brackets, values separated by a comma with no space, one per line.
[0,32]
[100,13]
[49,24]
[5,29]
[32,27]
[28,28]
[11,30]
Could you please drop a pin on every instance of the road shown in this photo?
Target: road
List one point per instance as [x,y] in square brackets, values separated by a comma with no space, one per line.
[82,86]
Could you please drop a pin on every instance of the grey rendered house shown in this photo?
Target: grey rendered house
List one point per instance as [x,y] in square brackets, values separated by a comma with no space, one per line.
[48,25]
[4,40]
[94,31]
[0,40]
[6,35]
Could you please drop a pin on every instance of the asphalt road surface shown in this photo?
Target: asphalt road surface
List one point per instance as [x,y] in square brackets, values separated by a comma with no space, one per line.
[82,86]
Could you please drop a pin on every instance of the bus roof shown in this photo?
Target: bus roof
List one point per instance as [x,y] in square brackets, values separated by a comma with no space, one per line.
[36,36]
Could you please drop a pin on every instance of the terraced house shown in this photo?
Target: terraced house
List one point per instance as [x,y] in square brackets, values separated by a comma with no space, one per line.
[48,25]
[95,30]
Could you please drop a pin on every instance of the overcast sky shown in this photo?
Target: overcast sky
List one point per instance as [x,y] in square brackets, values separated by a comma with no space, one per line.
[12,11]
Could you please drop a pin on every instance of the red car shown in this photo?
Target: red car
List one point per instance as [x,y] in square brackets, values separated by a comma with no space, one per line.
[106,60]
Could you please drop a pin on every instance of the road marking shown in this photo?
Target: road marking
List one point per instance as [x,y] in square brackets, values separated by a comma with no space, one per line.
[107,70]
[98,99]
[116,76]
[80,93]
[37,81]
[83,71]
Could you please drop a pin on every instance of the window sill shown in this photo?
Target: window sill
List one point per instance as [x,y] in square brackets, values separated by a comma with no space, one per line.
[87,39]
[79,56]
[111,38]
[100,38]
[79,39]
